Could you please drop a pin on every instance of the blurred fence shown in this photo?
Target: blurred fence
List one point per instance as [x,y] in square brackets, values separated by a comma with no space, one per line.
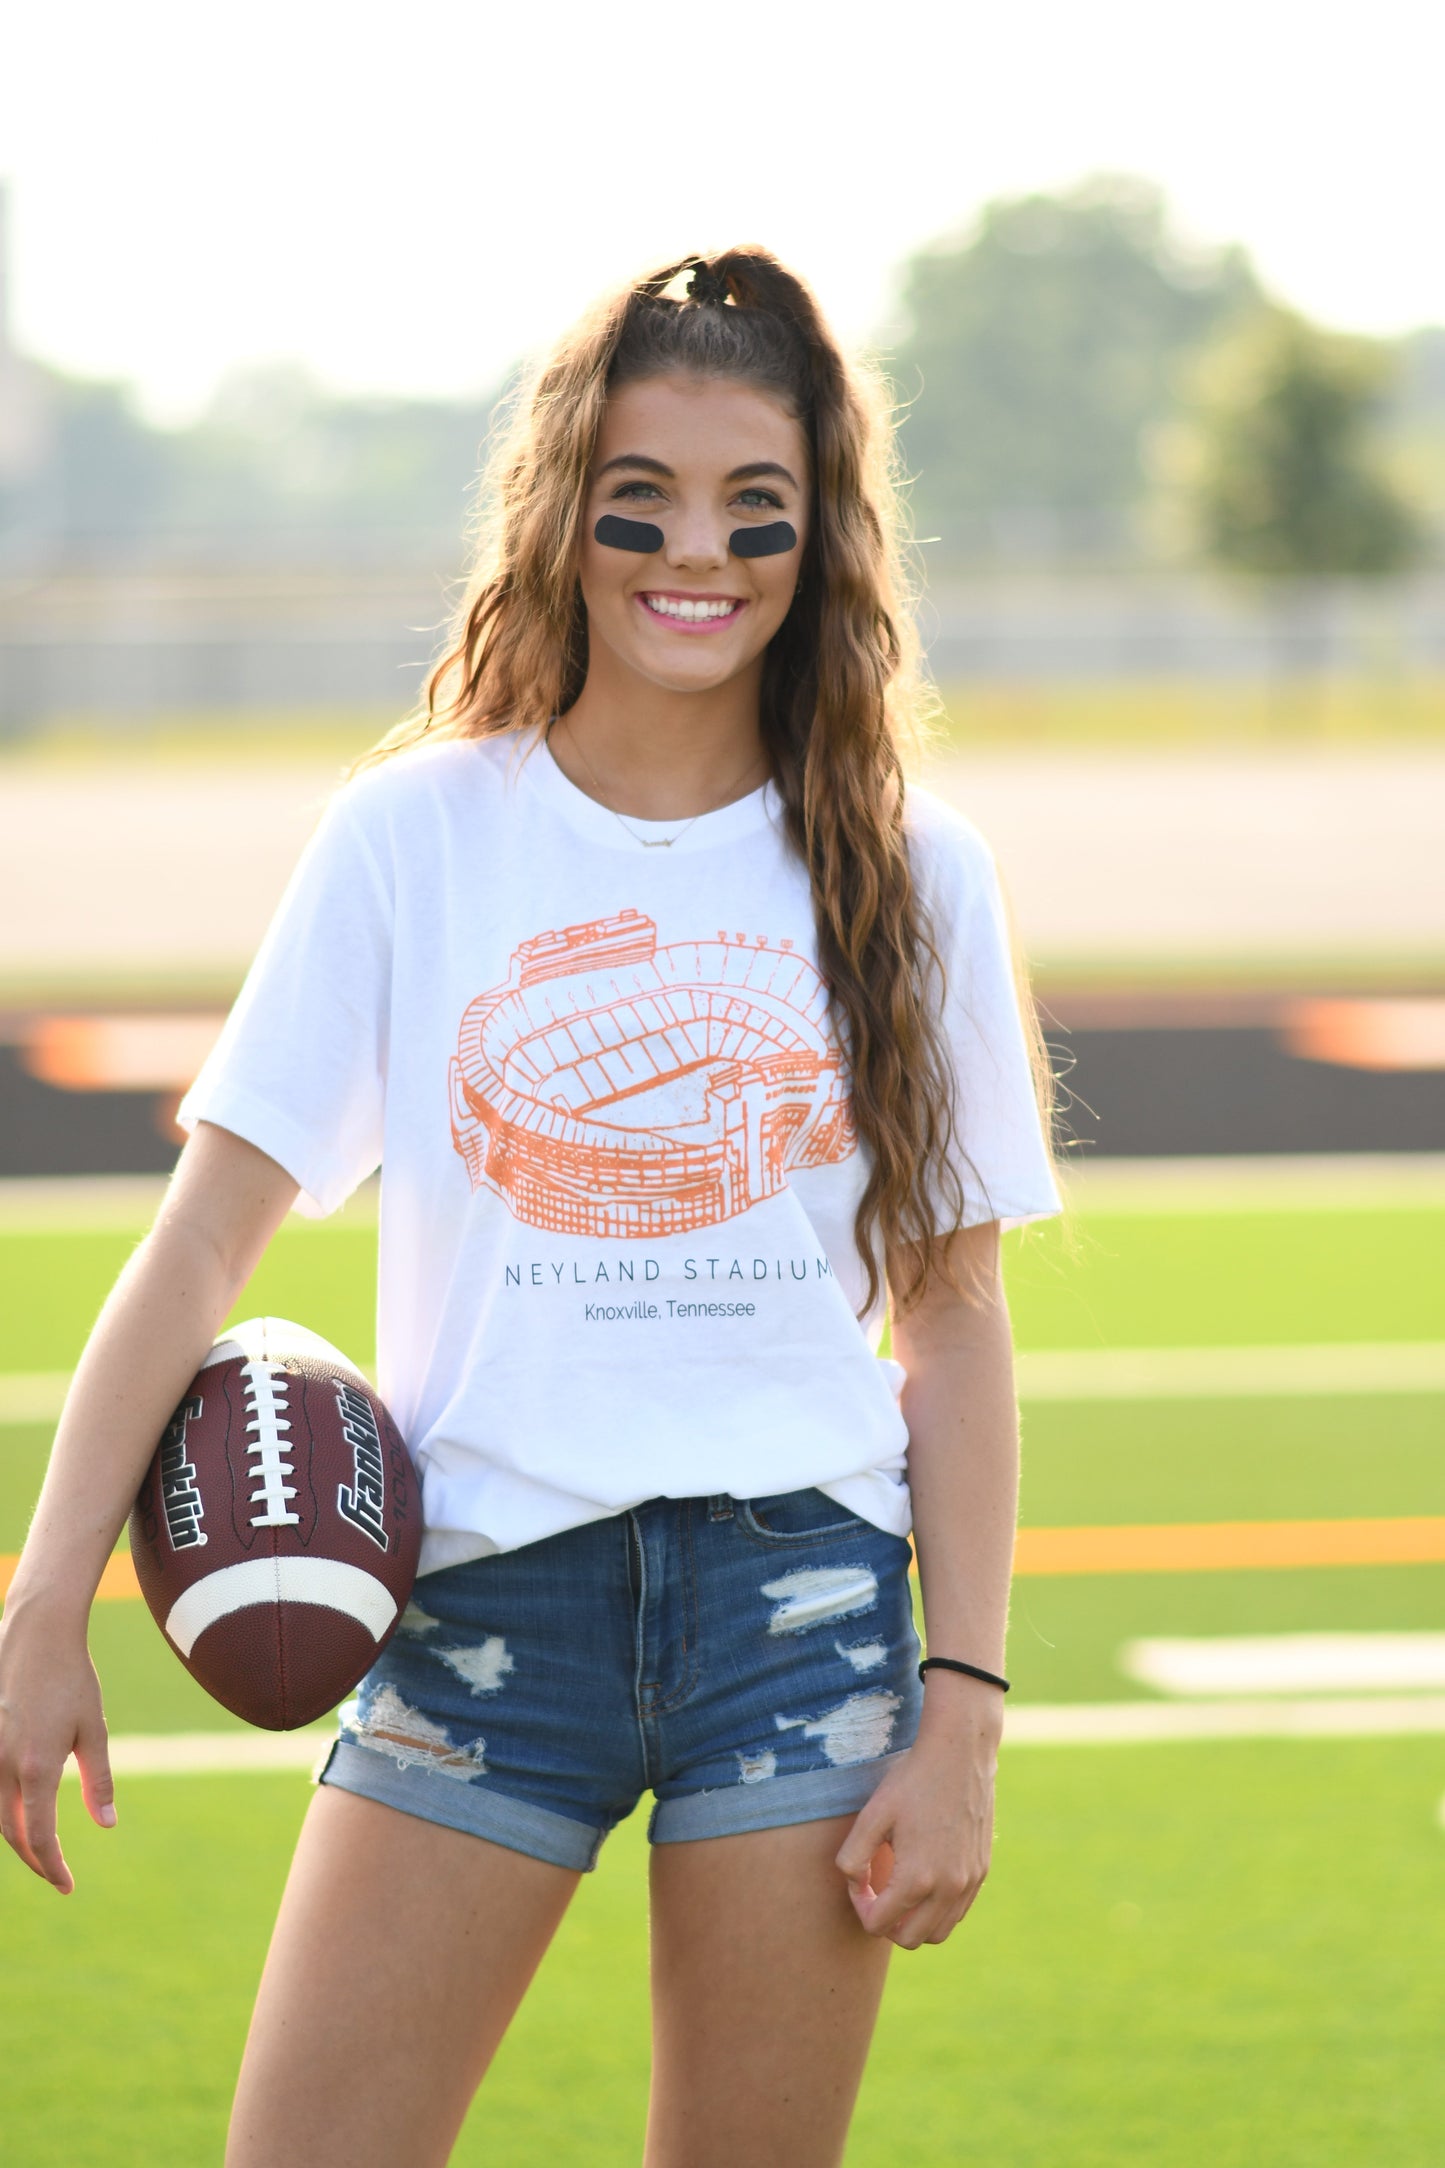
[124,649]
[136,646]
[1091,627]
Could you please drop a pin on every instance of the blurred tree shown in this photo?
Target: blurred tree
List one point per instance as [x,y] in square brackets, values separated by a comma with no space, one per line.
[1281,456]
[1037,353]
[277,471]
[278,458]
[1412,420]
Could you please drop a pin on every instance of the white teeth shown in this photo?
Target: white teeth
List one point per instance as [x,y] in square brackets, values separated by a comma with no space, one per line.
[688,612]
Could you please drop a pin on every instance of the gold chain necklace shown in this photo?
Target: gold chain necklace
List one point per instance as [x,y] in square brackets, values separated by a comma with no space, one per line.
[648,843]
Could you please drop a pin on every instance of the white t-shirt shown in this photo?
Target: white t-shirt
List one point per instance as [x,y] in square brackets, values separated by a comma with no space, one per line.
[618,1171]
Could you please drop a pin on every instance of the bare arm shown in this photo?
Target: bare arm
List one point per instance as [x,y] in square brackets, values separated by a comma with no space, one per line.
[222,1207]
[963,1463]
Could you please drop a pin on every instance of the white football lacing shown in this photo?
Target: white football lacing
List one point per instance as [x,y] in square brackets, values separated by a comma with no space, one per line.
[267,1422]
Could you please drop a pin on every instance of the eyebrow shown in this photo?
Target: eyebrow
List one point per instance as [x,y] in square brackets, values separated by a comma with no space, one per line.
[750,473]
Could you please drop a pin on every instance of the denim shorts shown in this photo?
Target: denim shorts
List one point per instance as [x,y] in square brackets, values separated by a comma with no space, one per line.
[750,1662]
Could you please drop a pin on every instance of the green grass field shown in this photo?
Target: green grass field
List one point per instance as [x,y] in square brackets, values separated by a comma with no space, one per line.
[1192,1279]
[1252,713]
[1199,1955]
[1184,1955]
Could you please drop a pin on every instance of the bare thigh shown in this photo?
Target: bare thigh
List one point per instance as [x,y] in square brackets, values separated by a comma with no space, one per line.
[765,1994]
[401,1952]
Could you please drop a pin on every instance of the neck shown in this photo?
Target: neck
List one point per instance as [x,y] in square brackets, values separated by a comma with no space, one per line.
[662,755]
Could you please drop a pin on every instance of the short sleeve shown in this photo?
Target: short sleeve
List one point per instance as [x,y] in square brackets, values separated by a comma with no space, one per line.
[999,1153]
[300,1067]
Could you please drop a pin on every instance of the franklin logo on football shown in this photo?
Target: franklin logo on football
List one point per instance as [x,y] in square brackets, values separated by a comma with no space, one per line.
[364,1505]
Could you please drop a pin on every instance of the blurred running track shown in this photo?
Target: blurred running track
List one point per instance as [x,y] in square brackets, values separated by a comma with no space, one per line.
[131,864]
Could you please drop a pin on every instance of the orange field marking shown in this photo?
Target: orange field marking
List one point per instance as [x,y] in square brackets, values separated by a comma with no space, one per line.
[118,1583]
[1170,1547]
[1223,1546]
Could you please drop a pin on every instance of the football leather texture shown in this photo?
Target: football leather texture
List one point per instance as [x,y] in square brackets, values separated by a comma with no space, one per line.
[276,1534]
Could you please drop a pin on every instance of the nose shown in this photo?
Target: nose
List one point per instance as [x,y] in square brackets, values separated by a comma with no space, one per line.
[698,540]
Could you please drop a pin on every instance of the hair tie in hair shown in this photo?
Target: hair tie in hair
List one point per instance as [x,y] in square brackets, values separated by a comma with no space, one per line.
[707,285]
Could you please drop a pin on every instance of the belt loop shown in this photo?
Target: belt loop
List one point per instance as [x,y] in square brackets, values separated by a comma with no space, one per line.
[720,1508]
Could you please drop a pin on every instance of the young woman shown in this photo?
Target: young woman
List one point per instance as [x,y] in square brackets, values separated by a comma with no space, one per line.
[684,1040]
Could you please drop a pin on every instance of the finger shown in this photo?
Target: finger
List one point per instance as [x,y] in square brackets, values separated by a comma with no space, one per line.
[966,1903]
[915,1928]
[864,1840]
[947,1915]
[864,1889]
[12,1824]
[930,1922]
[92,1754]
[902,1894]
[37,1802]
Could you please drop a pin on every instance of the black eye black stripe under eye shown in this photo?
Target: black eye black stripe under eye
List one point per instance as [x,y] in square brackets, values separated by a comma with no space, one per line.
[646,539]
[769,541]
[628,534]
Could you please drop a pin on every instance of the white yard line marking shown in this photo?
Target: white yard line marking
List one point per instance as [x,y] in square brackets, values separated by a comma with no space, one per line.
[1141,1723]
[1088,1373]
[1269,1182]
[1083,1723]
[1230,1373]
[79,1203]
[1288,1663]
[213,1753]
[1127,1188]
[32,1396]
[126,1203]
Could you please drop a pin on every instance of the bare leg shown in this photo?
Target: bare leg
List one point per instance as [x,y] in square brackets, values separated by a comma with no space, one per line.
[765,1993]
[401,1951]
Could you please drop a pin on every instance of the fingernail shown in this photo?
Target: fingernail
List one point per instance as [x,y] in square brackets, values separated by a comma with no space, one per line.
[107,1817]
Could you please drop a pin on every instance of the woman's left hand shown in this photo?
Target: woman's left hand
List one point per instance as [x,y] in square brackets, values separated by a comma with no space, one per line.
[917,1854]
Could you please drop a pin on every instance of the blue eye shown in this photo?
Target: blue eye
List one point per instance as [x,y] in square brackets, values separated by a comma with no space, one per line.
[635,489]
[760,500]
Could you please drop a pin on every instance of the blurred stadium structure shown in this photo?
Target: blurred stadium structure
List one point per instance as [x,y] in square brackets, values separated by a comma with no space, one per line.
[95,1091]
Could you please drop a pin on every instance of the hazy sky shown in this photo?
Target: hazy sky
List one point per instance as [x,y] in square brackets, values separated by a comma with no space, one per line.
[406,196]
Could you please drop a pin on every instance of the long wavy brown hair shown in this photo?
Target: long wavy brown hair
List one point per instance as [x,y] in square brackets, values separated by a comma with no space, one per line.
[842,695]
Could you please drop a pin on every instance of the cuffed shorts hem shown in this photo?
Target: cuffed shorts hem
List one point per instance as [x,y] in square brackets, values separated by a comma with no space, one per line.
[465,1805]
[814,1795]
[749,1662]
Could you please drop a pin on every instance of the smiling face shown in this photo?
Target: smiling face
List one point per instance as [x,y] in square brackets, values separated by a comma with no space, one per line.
[697,458]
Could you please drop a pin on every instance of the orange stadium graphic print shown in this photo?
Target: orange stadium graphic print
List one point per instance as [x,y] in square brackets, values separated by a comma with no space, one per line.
[611,1087]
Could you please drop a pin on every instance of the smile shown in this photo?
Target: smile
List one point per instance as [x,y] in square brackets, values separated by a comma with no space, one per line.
[693,611]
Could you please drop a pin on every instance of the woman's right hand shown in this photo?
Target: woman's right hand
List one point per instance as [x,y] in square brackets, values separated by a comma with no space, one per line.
[50,1708]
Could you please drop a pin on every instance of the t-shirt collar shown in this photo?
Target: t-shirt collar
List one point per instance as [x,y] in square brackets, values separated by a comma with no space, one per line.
[726,824]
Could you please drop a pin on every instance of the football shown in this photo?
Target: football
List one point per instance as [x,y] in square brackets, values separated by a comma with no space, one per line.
[276,1534]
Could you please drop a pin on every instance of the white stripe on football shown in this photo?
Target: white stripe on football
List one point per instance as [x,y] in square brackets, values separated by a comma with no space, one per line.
[324,1581]
[273,1340]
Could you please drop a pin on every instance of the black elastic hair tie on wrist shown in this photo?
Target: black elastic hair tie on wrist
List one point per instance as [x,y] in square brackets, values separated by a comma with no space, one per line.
[951,1663]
